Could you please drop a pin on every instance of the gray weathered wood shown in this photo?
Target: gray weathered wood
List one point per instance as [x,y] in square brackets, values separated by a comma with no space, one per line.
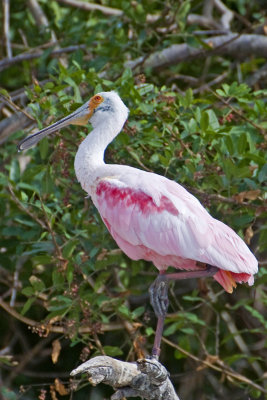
[146,378]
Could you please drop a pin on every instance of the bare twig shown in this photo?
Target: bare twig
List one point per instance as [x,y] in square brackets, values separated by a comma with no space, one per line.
[240,341]
[6,9]
[6,63]
[15,107]
[227,14]
[40,17]
[219,366]
[202,20]
[146,378]
[214,81]
[259,75]
[92,7]
[42,22]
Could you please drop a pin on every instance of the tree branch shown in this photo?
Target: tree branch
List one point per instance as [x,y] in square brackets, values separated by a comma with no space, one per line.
[6,8]
[234,45]
[6,62]
[47,327]
[91,7]
[146,378]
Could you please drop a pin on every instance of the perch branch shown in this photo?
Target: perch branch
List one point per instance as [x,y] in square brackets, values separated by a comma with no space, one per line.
[146,378]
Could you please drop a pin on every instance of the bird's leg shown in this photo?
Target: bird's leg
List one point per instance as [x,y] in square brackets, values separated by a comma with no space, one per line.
[159,297]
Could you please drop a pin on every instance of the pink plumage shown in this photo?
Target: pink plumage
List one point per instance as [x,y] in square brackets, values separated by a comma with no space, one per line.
[149,216]
[176,232]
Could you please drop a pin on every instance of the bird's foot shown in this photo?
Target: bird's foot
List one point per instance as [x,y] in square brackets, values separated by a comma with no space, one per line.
[158,292]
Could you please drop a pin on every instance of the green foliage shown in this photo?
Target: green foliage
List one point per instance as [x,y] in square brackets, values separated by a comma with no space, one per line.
[57,259]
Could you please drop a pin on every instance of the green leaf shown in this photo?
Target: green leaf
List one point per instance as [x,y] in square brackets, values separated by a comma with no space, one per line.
[138,312]
[112,351]
[27,305]
[69,248]
[204,121]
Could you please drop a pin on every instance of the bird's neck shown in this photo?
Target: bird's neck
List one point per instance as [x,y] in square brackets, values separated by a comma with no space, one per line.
[90,155]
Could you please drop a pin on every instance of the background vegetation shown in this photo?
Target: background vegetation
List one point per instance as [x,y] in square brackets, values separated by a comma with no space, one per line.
[198,116]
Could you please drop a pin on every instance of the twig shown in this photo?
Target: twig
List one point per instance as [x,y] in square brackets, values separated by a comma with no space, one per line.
[27,358]
[42,22]
[92,7]
[214,81]
[19,265]
[227,14]
[259,75]
[6,9]
[24,209]
[240,342]
[202,20]
[55,329]
[218,197]
[6,62]
[49,227]
[40,17]
[239,113]
[223,369]
[15,107]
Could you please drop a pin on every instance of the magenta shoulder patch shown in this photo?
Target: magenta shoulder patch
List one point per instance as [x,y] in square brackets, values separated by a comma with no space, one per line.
[113,195]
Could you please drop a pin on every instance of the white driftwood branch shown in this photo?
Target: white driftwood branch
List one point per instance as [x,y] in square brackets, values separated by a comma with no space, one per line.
[146,378]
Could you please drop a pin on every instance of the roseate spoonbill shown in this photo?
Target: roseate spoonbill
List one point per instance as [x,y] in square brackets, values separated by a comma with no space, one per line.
[149,216]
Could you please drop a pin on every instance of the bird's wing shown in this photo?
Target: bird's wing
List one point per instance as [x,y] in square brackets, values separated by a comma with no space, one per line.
[170,221]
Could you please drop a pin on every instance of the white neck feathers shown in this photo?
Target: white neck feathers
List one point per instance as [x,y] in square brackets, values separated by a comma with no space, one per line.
[90,155]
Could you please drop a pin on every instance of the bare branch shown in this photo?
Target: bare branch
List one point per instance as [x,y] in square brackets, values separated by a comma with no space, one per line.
[42,21]
[147,378]
[12,124]
[240,341]
[202,20]
[216,365]
[92,7]
[40,17]
[6,8]
[6,62]
[234,45]
[259,75]
[227,15]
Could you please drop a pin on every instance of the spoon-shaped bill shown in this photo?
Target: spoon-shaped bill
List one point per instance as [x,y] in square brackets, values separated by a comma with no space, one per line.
[78,117]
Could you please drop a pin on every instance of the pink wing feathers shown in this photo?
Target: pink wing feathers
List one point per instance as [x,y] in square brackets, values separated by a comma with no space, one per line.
[171,229]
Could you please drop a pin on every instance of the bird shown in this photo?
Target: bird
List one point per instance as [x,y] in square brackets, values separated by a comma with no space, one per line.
[150,216]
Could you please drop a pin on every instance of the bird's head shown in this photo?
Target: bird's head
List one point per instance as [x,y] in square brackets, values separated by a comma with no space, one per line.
[102,106]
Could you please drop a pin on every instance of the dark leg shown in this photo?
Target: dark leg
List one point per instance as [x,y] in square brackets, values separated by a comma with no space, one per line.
[159,297]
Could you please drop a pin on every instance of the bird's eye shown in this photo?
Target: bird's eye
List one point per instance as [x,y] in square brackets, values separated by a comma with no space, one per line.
[98,98]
